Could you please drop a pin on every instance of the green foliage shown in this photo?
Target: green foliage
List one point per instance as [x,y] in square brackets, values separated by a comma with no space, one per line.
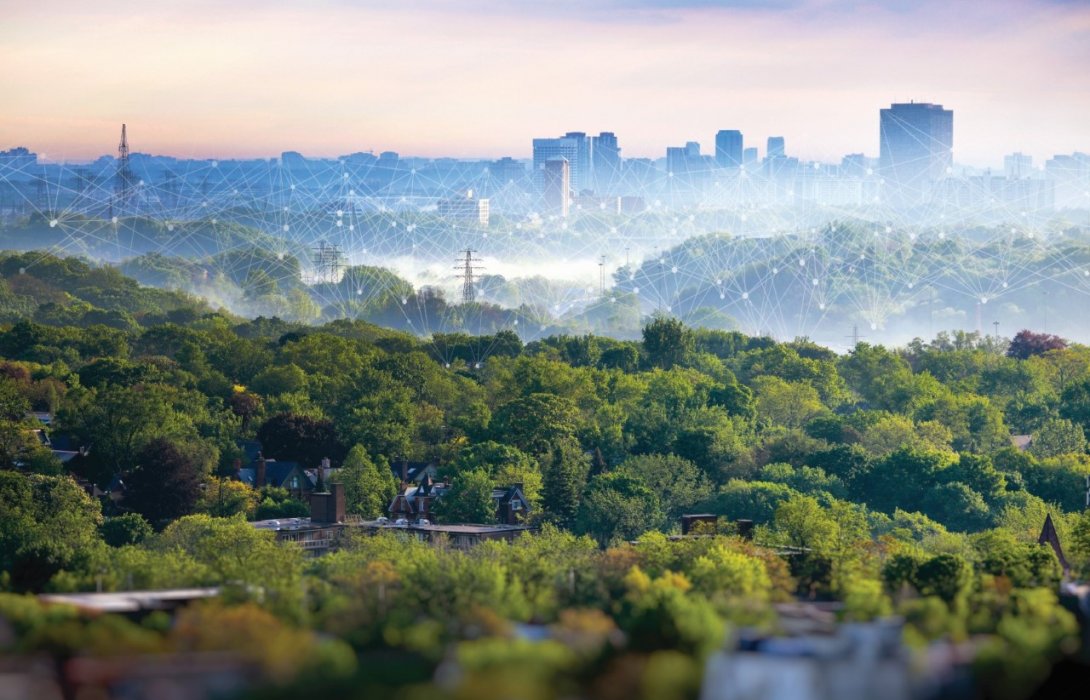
[617,505]
[121,530]
[369,486]
[469,499]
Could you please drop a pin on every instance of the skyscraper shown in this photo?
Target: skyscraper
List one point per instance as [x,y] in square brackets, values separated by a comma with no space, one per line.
[1017,166]
[916,149]
[556,186]
[605,159]
[572,147]
[728,148]
[775,148]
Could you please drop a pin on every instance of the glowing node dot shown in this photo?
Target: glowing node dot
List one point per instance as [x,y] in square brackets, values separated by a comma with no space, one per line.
[114,220]
[170,227]
[874,326]
[1004,285]
[285,227]
[719,281]
[983,300]
[215,221]
[215,164]
[404,300]
[775,270]
[339,224]
[722,296]
[340,213]
[911,285]
[674,269]
[52,223]
[636,290]
[821,306]
[814,281]
[889,229]
[22,270]
[745,295]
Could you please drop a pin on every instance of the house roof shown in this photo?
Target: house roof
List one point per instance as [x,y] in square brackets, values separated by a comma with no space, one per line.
[276,473]
[415,471]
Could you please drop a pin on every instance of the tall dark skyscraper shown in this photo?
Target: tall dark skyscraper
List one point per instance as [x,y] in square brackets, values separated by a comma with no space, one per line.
[916,149]
[556,186]
[728,148]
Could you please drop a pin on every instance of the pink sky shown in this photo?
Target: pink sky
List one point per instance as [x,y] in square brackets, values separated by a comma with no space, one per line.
[476,78]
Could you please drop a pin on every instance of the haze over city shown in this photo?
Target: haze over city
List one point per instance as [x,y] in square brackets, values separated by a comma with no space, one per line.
[476,79]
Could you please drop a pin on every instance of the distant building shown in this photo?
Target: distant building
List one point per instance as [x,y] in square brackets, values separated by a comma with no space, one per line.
[750,158]
[507,170]
[573,147]
[728,149]
[18,159]
[1017,166]
[605,160]
[467,210]
[556,186]
[916,150]
[776,147]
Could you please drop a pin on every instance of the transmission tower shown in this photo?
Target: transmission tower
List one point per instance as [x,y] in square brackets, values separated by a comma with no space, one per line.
[327,259]
[467,269]
[124,179]
[855,337]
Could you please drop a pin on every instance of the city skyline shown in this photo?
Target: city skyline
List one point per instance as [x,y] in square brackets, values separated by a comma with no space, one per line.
[478,80]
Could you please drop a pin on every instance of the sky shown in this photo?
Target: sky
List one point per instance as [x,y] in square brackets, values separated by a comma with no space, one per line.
[473,78]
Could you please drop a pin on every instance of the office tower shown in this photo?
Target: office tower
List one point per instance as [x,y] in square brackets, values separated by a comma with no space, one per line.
[1017,166]
[677,161]
[605,159]
[775,147]
[556,185]
[916,149]
[572,147]
[750,157]
[728,149]
[580,168]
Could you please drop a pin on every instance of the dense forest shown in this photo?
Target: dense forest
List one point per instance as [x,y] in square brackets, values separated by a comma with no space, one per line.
[888,480]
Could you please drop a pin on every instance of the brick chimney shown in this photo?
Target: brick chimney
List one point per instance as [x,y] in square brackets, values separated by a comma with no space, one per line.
[328,507]
[259,473]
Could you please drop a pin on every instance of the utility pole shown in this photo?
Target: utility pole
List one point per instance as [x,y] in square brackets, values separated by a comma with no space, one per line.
[996,325]
[467,269]
[602,275]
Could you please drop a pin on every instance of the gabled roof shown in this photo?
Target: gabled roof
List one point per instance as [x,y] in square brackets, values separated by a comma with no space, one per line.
[415,471]
[507,494]
[1050,537]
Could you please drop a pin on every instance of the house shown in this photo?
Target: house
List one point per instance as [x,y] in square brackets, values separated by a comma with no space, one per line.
[512,508]
[414,503]
[288,475]
[318,533]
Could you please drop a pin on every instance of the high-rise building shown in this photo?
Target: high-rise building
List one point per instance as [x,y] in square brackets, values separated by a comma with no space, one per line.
[728,148]
[750,157]
[1017,166]
[776,147]
[572,147]
[605,159]
[556,185]
[580,168]
[916,149]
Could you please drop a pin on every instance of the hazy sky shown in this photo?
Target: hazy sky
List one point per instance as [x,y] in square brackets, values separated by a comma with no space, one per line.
[477,78]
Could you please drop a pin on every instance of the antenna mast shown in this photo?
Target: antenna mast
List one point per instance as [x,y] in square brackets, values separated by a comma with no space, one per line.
[327,262]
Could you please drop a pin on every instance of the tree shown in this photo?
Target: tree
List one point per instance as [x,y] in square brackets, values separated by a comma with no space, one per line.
[279,379]
[616,506]
[667,342]
[303,439]
[469,499]
[121,530]
[166,483]
[369,486]
[47,524]
[536,422]
[1058,436]
[791,404]
[678,482]
[1026,344]
[565,474]
[505,464]
[803,523]
[224,498]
